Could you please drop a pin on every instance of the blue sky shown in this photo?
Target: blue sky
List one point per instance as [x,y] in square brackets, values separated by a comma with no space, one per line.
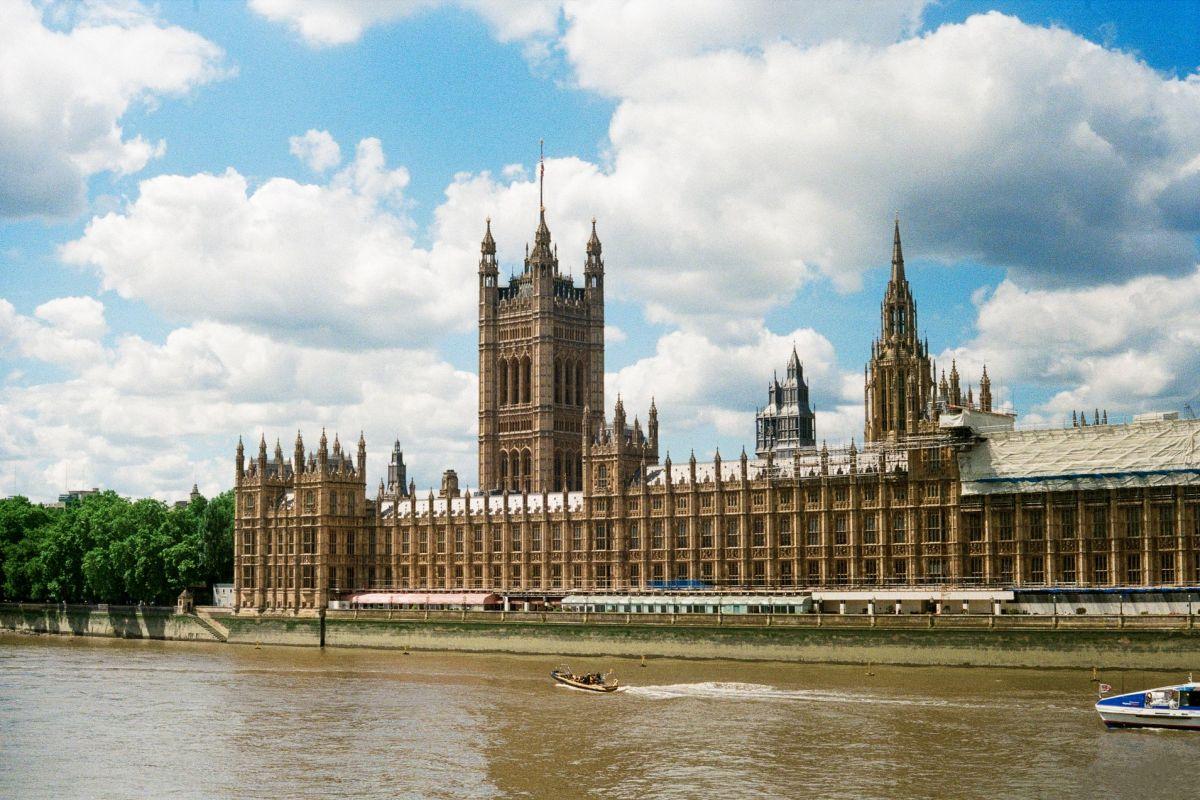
[178,267]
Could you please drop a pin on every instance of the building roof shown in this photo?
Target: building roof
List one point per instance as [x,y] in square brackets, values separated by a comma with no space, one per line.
[1165,453]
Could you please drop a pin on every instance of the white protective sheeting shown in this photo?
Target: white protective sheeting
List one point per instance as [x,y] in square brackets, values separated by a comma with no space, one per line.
[1099,457]
[979,421]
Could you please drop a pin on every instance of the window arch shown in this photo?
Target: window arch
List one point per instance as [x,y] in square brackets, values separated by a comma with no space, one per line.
[513,381]
[558,381]
[579,387]
[526,373]
[502,369]
[526,470]
[514,469]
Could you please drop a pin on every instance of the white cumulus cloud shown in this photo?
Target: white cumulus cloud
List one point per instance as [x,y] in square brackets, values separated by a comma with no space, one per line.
[1130,346]
[330,263]
[317,150]
[150,419]
[64,93]
[324,23]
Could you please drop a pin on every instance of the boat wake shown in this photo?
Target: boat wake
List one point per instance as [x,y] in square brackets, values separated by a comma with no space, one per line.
[716,690]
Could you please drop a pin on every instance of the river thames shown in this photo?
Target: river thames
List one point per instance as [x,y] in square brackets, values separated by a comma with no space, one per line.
[120,719]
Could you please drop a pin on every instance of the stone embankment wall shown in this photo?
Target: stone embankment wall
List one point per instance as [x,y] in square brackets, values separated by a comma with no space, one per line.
[1166,643]
[120,622]
[1172,648]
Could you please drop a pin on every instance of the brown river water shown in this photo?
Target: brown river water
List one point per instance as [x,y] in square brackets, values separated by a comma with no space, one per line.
[102,718]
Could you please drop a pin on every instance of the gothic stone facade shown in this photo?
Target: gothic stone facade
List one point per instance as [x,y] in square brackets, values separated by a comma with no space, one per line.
[575,502]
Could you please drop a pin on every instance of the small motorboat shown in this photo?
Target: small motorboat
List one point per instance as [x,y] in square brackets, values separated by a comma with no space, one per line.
[1165,707]
[588,681]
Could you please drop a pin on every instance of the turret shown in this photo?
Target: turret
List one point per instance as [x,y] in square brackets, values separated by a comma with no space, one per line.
[262,454]
[985,393]
[594,270]
[278,459]
[323,452]
[241,460]
[298,454]
[487,252]
[652,425]
[361,462]
[794,368]
[542,262]
[397,472]
[955,389]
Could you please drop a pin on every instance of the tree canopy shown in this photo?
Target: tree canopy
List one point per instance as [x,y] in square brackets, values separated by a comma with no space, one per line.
[109,549]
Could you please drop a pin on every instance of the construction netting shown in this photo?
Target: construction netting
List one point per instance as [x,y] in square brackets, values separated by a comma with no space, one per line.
[1095,457]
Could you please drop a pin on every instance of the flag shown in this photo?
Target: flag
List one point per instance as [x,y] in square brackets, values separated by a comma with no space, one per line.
[1104,687]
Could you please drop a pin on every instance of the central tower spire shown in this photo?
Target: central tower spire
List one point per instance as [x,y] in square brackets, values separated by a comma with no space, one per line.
[900,381]
[897,253]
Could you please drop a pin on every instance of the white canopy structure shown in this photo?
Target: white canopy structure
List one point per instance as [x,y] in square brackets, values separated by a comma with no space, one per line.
[1163,453]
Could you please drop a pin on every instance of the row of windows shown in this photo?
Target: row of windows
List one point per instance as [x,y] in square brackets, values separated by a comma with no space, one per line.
[1130,522]
[931,527]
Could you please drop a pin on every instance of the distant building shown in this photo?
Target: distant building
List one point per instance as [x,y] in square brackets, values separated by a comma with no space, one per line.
[222,595]
[787,423]
[73,496]
[193,497]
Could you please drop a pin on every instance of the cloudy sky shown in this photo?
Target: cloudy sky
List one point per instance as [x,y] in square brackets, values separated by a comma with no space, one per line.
[221,219]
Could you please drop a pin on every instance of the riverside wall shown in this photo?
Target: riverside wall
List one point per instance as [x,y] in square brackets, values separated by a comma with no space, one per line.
[1159,643]
[914,643]
[116,622]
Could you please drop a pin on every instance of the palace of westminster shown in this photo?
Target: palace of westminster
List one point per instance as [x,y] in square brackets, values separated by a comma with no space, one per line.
[944,491]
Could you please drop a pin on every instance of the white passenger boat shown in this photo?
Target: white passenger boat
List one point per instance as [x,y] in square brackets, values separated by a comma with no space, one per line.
[1165,707]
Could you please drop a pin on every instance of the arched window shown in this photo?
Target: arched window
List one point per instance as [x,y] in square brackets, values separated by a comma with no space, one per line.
[514,470]
[579,395]
[526,470]
[527,374]
[503,468]
[502,368]
[569,383]
[558,381]
[559,478]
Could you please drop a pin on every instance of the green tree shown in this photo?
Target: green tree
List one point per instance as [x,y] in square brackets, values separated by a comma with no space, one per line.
[109,549]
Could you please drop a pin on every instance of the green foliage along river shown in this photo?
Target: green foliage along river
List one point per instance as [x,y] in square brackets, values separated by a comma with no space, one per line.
[108,549]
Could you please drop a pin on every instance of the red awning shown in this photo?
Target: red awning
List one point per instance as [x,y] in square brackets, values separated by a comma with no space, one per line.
[424,599]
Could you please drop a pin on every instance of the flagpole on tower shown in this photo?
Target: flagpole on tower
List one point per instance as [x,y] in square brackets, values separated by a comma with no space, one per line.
[541,174]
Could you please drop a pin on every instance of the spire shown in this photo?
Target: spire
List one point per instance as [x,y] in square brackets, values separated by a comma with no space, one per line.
[897,254]
[594,265]
[262,447]
[593,245]
[488,246]
[542,178]
[985,391]
[793,366]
